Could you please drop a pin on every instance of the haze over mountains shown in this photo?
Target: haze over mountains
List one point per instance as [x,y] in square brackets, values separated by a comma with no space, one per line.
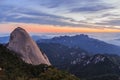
[5,39]
[111,38]
[82,41]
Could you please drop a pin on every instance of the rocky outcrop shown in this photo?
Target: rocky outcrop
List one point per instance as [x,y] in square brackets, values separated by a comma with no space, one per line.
[21,43]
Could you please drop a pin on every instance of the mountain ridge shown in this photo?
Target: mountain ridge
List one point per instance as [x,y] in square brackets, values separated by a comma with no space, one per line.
[81,63]
[84,42]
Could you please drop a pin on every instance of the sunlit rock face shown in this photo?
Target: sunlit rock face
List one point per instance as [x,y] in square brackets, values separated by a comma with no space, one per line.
[26,48]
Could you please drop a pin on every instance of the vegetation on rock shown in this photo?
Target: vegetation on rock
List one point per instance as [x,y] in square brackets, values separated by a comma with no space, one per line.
[13,68]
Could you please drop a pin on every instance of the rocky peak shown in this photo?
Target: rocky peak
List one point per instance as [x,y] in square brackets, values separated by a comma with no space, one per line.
[98,58]
[21,43]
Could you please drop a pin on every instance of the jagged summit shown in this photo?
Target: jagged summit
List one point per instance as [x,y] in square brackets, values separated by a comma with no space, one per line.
[27,49]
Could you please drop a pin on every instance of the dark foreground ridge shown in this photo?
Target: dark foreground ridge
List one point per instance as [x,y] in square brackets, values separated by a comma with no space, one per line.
[12,67]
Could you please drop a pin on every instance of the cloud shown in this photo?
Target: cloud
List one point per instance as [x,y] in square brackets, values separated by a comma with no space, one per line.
[115,22]
[110,15]
[76,13]
[20,15]
[30,16]
[55,3]
[91,8]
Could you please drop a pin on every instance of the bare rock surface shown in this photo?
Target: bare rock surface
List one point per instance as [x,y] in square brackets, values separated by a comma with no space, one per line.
[26,48]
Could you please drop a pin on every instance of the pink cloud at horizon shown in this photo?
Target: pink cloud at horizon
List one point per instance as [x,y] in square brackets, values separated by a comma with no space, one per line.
[37,28]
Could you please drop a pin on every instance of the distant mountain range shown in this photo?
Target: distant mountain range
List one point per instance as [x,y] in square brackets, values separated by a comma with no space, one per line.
[84,42]
[87,58]
[82,63]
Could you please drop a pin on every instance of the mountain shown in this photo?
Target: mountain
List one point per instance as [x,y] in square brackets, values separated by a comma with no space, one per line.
[82,41]
[12,67]
[83,64]
[96,65]
[21,43]
[61,55]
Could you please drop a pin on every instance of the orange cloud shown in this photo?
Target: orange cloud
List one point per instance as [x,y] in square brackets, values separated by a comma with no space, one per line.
[36,28]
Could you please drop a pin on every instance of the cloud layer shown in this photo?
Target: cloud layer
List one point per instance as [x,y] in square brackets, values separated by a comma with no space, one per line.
[74,13]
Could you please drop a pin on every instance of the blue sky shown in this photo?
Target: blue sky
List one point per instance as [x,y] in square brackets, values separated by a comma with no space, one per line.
[73,13]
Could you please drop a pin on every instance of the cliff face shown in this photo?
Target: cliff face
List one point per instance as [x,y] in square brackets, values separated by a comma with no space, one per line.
[26,48]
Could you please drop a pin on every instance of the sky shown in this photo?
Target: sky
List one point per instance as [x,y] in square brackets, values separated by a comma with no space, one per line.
[60,16]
